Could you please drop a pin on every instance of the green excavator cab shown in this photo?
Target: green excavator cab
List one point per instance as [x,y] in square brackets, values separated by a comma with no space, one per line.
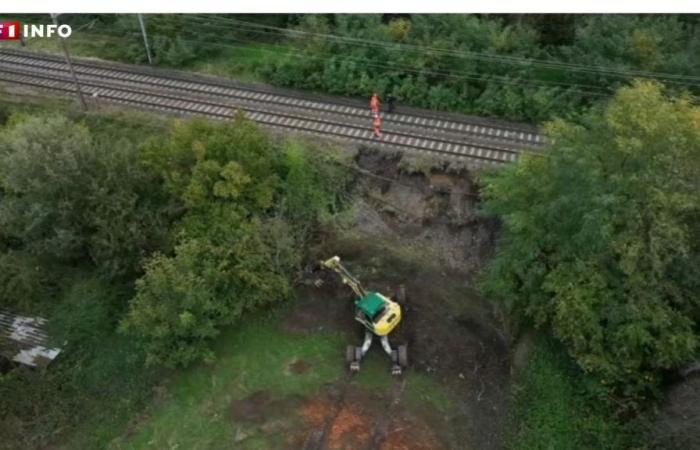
[371,304]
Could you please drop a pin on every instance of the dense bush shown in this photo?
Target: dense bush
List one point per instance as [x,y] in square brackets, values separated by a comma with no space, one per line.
[24,279]
[554,407]
[249,204]
[600,238]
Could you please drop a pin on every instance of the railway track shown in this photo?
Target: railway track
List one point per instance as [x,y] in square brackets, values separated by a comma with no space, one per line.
[181,93]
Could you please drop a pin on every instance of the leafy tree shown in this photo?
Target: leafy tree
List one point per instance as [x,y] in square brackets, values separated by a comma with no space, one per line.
[182,301]
[71,198]
[601,233]
[248,206]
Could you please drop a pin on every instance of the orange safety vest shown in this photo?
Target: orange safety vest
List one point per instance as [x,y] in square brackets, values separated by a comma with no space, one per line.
[374,103]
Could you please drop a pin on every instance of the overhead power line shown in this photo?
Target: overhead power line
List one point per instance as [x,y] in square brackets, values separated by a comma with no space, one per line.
[507,59]
[587,90]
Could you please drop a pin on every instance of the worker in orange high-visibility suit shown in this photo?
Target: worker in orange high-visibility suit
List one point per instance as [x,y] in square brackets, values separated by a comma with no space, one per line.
[374,104]
[377,124]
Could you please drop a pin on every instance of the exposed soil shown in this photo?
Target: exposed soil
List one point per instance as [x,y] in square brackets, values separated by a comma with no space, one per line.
[338,418]
[252,407]
[414,232]
[353,424]
[298,366]
[678,424]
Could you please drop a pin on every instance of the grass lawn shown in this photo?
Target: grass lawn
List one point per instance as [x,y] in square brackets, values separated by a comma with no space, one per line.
[252,357]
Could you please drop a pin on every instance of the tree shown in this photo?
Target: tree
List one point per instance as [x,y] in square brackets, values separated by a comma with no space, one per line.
[248,206]
[600,240]
[70,198]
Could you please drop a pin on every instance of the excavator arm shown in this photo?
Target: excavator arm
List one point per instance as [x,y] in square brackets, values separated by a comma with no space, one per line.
[335,265]
[377,313]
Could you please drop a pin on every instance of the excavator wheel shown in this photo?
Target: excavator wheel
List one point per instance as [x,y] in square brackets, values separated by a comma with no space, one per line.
[350,354]
[395,365]
[403,356]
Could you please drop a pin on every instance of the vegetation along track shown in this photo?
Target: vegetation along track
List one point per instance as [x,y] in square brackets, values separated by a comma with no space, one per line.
[183,94]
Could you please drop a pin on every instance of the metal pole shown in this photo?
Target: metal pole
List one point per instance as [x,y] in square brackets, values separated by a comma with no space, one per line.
[70,64]
[145,39]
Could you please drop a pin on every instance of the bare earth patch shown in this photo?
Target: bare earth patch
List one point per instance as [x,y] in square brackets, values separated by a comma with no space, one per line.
[298,366]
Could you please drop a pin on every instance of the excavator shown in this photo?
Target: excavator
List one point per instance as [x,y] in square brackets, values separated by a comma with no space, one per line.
[377,313]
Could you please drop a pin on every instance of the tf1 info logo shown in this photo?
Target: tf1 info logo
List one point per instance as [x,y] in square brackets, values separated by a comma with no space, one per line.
[10,31]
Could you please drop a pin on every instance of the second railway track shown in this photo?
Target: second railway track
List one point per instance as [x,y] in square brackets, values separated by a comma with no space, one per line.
[489,145]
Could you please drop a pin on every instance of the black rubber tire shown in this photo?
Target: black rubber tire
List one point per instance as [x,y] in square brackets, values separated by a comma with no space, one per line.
[358,354]
[350,354]
[403,356]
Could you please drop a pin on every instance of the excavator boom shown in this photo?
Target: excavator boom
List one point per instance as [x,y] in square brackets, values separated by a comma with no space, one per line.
[335,265]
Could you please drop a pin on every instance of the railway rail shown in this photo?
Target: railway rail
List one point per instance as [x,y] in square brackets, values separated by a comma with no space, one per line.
[180,93]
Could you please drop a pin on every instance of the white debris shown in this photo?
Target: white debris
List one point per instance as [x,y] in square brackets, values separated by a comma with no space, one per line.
[22,339]
[29,357]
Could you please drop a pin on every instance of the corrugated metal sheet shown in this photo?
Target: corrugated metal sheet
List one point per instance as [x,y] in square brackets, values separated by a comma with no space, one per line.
[23,340]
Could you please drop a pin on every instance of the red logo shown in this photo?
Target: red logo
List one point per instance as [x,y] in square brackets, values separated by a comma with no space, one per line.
[9,31]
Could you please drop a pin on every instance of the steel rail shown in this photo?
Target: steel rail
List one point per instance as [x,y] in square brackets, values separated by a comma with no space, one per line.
[169,80]
[169,103]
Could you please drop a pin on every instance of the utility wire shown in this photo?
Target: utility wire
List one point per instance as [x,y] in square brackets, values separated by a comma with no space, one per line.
[387,67]
[587,87]
[457,53]
[586,90]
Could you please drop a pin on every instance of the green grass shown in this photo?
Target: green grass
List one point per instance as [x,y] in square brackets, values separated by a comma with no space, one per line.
[420,389]
[251,357]
[554,410]
[133,125]
[241,62]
